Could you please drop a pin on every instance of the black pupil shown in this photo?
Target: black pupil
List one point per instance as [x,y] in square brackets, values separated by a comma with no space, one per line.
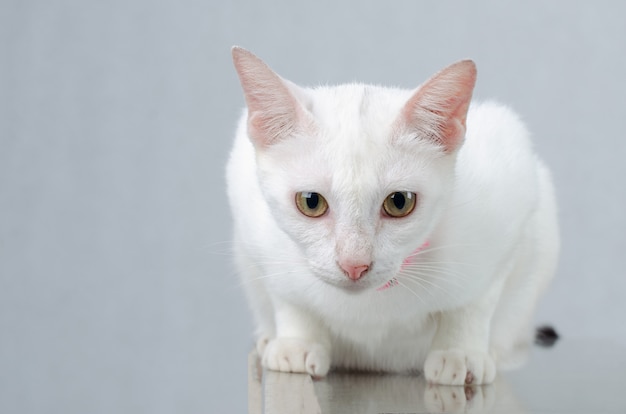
[312,200]
[398,200]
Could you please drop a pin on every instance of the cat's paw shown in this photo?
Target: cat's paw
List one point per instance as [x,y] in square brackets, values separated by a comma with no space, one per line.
[296,355]
[261,344]
[458,367]
[468,399]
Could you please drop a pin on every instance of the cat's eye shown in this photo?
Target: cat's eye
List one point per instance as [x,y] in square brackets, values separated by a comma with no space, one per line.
[399,204]
[311,204]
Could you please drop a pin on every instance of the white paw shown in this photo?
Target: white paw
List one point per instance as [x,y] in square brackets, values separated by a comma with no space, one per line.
[468,399]
[296,355]
[457,367]
[261,343]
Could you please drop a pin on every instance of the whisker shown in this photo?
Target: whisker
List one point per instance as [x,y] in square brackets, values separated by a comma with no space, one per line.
[266,276]
[417,279]
[411,290]
[226,243]
[446,262]
[418,296]
[277,262]
[255,261]
[441,247]
[256,256]
[435,272]
[249,254]
[422,281]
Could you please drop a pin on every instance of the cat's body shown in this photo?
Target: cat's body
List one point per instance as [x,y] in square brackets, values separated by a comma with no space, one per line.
[450,287]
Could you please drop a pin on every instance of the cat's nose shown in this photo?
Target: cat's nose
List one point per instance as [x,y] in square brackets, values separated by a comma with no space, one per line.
[354,272]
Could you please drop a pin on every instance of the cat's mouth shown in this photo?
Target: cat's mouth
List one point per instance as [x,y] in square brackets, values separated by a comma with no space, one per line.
[361,285]
[350,285]
[347,285]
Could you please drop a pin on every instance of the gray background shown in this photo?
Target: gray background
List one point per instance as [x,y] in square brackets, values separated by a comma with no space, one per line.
[116,118]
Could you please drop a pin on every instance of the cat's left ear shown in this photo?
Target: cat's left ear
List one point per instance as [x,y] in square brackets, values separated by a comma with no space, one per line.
[438,109]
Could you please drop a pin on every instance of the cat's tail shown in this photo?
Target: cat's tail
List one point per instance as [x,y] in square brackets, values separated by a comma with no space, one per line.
[546,336]
[516,356]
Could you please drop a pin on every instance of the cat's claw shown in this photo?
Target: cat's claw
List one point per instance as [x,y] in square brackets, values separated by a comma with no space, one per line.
[296,355]
[459,367]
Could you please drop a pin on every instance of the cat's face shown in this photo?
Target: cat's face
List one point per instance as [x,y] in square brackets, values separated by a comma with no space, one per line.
[354,191]
[355,175]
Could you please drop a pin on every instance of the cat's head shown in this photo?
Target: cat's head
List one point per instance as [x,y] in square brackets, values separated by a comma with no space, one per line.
[357,176]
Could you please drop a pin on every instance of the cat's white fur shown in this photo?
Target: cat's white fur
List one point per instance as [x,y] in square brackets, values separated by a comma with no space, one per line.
[486,208]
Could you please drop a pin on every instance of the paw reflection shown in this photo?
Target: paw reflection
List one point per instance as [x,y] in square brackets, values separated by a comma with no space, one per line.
[457,399]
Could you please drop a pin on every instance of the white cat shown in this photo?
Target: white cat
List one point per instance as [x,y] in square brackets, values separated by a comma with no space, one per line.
[386,229]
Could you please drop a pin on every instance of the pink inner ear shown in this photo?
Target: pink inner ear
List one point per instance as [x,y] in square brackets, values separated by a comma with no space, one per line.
[266,126]
[438,109]
[273,111]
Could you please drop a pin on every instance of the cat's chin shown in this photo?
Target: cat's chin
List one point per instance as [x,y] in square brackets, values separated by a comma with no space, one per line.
[350,286]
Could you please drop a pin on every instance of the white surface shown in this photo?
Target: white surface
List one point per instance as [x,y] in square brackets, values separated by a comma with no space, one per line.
[115,122]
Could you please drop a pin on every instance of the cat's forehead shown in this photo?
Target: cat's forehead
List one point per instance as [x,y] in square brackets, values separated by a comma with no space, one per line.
[351,153]
[356,108]
[356,124]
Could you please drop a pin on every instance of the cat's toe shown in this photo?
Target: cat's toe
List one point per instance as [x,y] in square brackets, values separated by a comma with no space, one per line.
[459,367]
[317,362]
[295,355]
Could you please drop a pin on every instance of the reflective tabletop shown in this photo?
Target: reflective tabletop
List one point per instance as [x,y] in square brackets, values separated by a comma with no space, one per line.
[573,377]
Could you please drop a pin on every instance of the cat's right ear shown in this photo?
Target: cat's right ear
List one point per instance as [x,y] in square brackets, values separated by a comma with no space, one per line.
[274,110]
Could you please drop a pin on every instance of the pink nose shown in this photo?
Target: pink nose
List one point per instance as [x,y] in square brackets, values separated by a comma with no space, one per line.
[354,272]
